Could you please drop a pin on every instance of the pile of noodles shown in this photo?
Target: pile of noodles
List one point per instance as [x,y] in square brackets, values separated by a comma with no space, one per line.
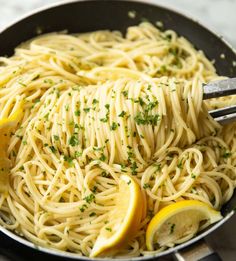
[99,104]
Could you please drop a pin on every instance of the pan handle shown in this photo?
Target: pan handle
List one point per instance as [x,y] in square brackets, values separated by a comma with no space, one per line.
[198,251]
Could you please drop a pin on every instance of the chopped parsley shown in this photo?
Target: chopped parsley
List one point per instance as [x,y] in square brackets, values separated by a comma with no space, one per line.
[92,214]
[103,157]
[37,100]
[180,164]
[21,168]
[107,106]
[53,149]
[73,141]
[122,114]
[46,116]
[108,229]
[94,189]
[95,101]
[158,166]
[77,113]
[84,206]
[68,159]
[98,148]
[78,154]
[125,93]
[151,105]
[67,107]
[105,175]
[146,185]
[133,168]
[86,110]
[113,126]
[140,101]
[50,81]
[226,154]
[19,137]
[56,137]
[90,198]
[173,51]
[145,119]
[104,119]
[162,69]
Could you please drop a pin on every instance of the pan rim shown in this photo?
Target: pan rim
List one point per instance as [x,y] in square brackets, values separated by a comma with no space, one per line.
[176,10]
[172,250]
[74,256]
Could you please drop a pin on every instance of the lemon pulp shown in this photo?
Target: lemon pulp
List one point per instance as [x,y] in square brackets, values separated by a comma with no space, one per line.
[178,223]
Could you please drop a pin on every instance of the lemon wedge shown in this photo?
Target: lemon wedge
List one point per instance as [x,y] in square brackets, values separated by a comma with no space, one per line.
[6,126]
[5,165]
[178,223]
[123,221]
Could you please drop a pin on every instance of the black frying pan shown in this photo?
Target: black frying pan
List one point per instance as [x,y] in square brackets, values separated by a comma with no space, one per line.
[84,16]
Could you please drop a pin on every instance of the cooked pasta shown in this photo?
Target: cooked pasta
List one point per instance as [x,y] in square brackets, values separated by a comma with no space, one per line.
[96,105]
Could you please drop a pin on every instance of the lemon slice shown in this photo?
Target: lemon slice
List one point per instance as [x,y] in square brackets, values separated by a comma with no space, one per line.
[123,221]
[6,126]
[178,223]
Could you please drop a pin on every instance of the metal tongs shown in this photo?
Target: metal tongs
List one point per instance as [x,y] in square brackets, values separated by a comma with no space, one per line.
[219,89]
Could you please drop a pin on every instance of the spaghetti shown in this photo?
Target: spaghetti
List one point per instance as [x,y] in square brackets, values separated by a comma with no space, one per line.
[99,104]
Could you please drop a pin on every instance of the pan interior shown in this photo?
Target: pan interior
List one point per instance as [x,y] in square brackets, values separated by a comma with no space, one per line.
[87,16]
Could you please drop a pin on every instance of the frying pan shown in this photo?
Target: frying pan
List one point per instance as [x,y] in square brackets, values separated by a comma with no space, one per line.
[85,16]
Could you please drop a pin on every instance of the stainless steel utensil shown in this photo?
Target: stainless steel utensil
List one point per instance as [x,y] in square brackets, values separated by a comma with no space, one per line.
[218,89]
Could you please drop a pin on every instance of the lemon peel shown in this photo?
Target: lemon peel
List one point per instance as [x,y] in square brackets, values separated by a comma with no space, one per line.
[124,220]
[7,124]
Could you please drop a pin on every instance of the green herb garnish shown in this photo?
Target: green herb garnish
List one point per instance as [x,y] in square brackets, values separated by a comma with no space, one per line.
[86,110]
[90,198]
[113,126]
[77,113]
[144,119]
[53,149]
[73,141]
[122,114]
[56,137]
[92,214]
[108,229]
[146,185]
